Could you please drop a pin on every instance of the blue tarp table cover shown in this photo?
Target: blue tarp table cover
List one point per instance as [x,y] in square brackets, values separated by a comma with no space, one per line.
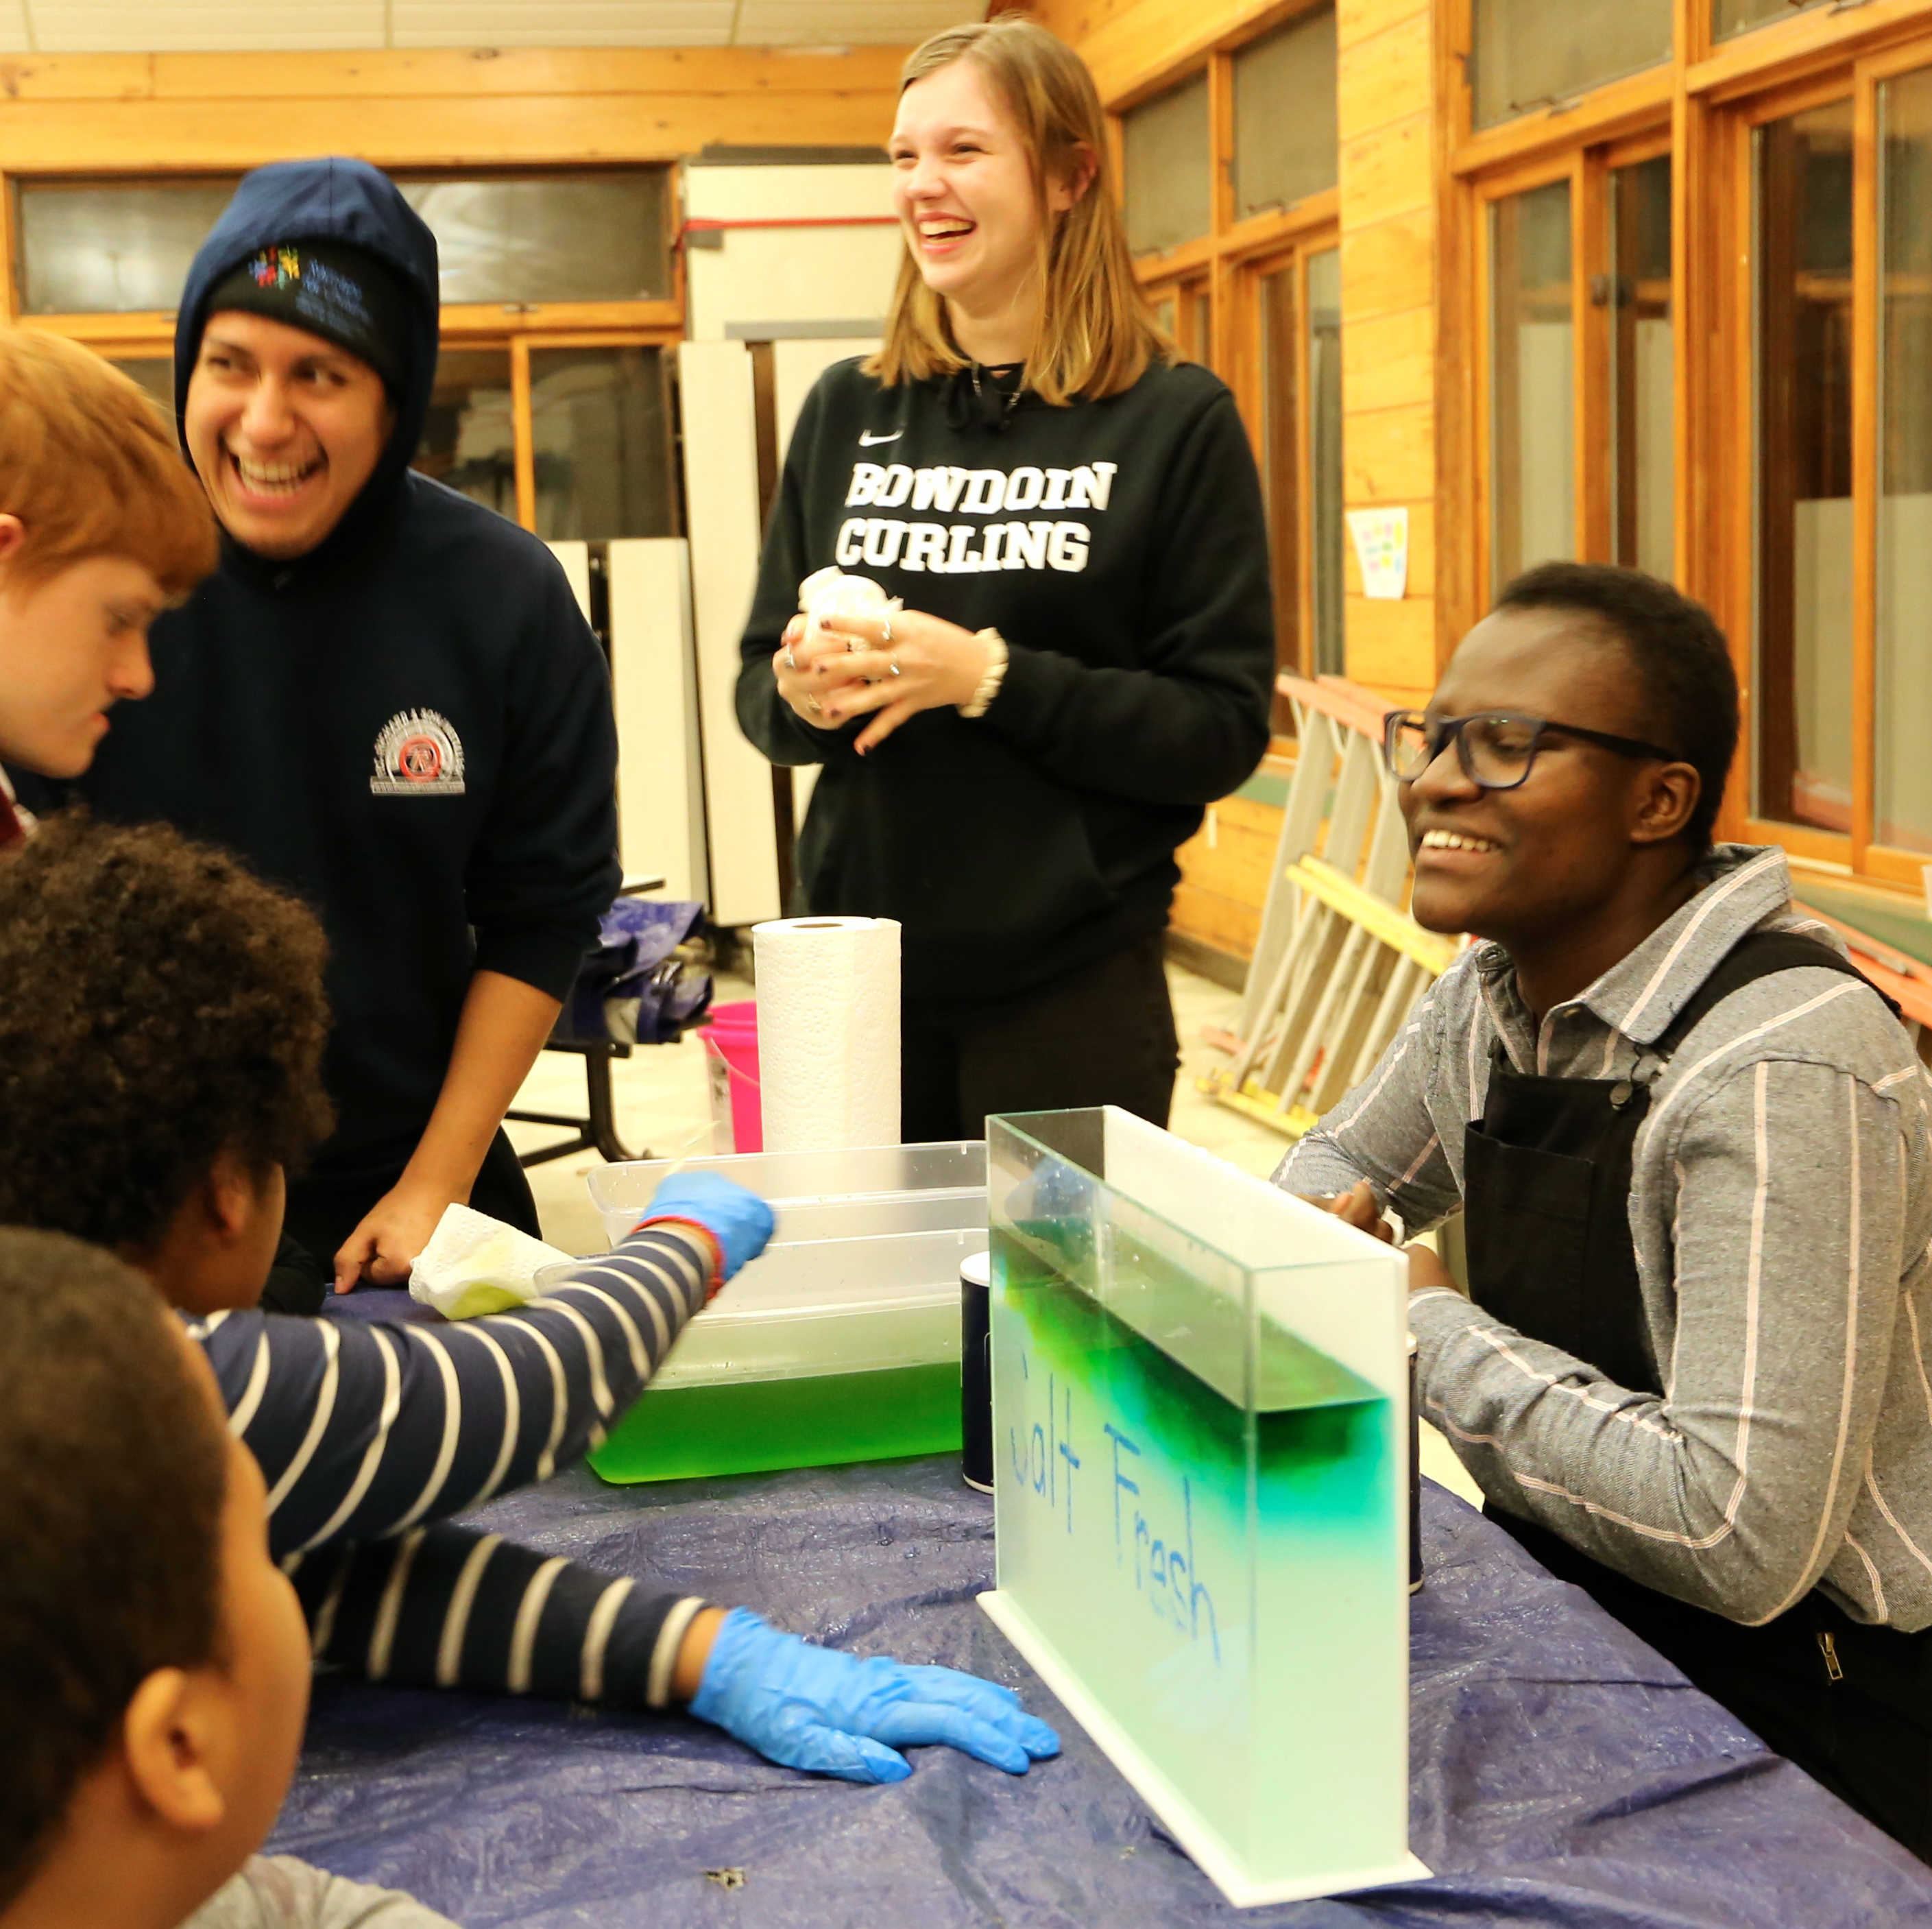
[1562,1773]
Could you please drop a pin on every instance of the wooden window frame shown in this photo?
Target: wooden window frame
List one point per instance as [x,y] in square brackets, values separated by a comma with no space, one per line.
[1220,253]
[522,345]
[517,326]
[1700,107]
[1856,852]
[1503,185]
[1242,369]
[1737,422]
[150,342]
[1228,262]
[459,321]
[1588,169]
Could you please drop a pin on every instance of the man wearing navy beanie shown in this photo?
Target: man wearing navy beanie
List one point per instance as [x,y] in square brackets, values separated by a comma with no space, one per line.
[386,698]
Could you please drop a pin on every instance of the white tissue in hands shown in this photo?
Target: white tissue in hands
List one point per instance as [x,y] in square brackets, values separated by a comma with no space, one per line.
[474,1265]
[829,593]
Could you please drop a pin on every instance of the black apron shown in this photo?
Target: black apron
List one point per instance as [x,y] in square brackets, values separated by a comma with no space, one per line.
[1547,1182]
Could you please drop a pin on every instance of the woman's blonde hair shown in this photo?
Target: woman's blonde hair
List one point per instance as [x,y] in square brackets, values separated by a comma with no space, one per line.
[1096,334]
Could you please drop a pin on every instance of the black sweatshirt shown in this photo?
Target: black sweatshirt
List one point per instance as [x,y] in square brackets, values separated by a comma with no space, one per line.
[410,726]
[1121,548]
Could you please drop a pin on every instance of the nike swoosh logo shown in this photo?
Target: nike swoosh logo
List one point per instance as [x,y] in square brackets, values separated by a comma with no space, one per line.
[867,440]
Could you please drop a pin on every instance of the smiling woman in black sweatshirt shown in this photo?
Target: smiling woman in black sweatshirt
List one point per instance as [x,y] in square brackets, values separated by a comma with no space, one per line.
[1075,526]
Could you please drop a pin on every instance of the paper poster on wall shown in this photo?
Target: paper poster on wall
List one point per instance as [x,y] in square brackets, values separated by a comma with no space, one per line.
[1381,547]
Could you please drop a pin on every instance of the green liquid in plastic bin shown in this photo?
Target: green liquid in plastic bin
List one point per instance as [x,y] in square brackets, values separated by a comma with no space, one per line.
[761,1426]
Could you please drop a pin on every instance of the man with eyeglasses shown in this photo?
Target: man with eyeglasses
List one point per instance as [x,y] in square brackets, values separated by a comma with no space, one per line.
[1691,1147]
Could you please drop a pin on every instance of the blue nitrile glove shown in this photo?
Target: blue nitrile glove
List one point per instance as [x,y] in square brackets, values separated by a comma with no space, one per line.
[815,1708]
[737,1218]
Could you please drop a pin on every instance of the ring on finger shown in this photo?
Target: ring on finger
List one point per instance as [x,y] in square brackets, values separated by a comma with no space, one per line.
[892,664]
[790,661]
[812,704]
[888,626]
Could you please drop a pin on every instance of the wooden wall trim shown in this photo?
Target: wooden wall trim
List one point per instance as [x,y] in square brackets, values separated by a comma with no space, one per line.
[175,113]
[462,73]
[1461,473]
[1635,104]
[1389,113]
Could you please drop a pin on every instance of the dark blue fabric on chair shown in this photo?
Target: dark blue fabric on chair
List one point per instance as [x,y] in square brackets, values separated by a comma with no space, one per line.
[636,957]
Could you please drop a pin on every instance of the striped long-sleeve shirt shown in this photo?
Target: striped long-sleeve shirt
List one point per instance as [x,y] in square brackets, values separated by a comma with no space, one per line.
[369,1434]
[1781,1210]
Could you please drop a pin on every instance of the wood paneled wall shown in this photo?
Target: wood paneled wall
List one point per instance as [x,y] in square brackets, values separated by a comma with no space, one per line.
[1391,171]
[113,113]
[1391,254]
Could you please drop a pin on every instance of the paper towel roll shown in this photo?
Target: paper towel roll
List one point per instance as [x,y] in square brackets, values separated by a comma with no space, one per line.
[828,1032]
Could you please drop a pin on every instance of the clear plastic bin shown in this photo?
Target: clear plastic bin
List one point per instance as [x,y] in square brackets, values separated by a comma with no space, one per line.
[824,1195]
[840,1343]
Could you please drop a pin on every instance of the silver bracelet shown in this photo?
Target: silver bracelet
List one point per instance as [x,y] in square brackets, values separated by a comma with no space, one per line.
[996,669]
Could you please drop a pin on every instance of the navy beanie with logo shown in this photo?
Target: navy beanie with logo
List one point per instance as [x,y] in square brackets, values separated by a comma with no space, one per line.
[333,289]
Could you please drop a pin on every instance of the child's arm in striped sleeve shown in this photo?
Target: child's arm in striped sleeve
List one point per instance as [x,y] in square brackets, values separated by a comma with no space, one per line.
[450,1607]
[364,1430]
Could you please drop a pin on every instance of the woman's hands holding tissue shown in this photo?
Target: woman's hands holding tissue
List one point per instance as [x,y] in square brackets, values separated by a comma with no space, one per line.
[737,1222]
[828,1712]
[893,665]
[810,674]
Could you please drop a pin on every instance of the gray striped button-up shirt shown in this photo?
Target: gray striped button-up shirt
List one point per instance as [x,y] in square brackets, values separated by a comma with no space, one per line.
[1781,1209]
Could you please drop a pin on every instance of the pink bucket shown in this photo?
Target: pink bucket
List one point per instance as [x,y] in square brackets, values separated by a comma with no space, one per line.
[731,1051]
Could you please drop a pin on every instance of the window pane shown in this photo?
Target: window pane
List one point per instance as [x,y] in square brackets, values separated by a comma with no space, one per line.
[601,429]
[1903,773]
[1532,426]
[468,441]
[1281,458]
[550,238]
[93,248]
[1803,325]
[1529,52]
[1165,145]
[1734,16]
[1325,457]
[1643,517]
[1204,328]
[108,247]
[1285,143]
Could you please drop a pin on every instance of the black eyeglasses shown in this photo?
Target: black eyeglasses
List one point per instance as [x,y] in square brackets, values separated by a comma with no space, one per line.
[1496,751]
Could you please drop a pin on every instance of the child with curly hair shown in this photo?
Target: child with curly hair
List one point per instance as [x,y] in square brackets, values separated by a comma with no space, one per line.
[161,1025]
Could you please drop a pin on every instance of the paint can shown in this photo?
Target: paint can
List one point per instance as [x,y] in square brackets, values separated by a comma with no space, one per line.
[975,1371]
[1414,1480]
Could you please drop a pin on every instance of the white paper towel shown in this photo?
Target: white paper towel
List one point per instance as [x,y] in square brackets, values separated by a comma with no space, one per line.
[828,1032]
[474,1265]
[831,592]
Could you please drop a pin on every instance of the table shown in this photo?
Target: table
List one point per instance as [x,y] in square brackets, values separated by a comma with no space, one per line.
[1562,1772]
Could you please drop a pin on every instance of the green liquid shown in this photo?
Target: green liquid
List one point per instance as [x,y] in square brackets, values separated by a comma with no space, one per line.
[1201,1515]
[761,1426]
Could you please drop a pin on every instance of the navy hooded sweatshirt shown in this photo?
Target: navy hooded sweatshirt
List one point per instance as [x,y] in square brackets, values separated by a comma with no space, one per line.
[410,726]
